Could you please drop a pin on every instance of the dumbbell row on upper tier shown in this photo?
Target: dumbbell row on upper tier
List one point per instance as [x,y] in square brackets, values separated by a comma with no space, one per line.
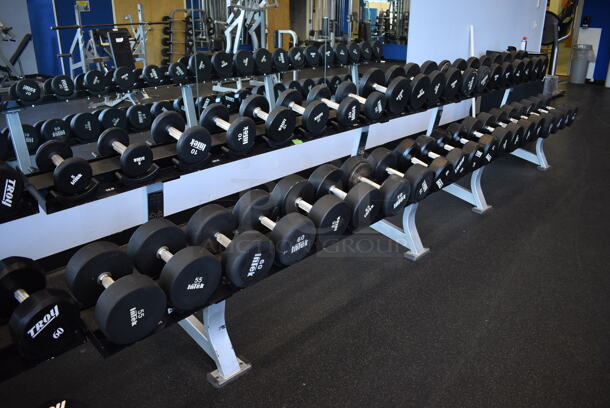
[421,90]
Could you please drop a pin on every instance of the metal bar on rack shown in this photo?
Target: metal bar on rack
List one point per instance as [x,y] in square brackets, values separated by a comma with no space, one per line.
[269,90]
[189,105]
[18,140]
[435,119]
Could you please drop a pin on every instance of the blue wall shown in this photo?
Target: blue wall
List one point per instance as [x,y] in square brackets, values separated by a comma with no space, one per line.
[45,39]
[599,11]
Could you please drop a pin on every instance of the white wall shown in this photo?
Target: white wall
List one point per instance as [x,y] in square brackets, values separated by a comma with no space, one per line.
[15,14]
[439,29]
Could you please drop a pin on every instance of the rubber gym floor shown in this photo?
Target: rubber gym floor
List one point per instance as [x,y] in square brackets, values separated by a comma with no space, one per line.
[509,309]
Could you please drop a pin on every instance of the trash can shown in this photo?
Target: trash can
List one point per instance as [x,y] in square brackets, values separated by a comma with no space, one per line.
[582,55]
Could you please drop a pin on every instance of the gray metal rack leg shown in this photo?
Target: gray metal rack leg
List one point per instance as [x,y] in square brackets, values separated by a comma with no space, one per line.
[473,196]
[212,336]
[407,236]
[538,158]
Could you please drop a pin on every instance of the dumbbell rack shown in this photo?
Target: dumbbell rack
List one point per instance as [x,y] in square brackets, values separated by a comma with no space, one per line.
[211,333]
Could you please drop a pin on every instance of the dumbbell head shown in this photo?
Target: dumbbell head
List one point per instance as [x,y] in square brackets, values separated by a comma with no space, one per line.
[354,52]
[374,104]
[438,82]
[397,90]
[297,57]
[44,324]
[72,175]
[420,177]
[427,67]
[470,150]
[365,200]
[456,157]
[396,191]
[11,189]
[189,277]
[280,123]
[315,115]
[112,117]
[312,56]
[249,256]
[242,131]
[392,72]
[495,143]
[115,305]
[440,167]
[293,234]
[330,214]
[135,160]
[347,112]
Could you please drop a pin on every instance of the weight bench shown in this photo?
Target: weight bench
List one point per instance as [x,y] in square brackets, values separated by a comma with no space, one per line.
[118,41]
[12,66]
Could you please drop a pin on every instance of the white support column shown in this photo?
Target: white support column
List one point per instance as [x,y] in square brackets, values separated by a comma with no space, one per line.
[212,336]
[407,236]
[538,158]
[473,196]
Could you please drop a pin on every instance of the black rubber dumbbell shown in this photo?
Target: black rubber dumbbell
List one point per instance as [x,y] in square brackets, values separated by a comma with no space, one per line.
[71,175]
[192,144]
[136,158]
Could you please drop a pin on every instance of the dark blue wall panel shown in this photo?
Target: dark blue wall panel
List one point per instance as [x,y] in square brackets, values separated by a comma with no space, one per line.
[599,11]
[45,41]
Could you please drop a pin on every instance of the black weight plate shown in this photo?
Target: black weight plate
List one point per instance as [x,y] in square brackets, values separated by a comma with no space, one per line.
[62,86]
[55,129]
[281,60]
[138,118]
[152,74]
[243,63]
[124,78]
[95,82]
[263,61]
[86,127]
[200,66]
[28,90]
[312,56]
[112,117]
[222,64]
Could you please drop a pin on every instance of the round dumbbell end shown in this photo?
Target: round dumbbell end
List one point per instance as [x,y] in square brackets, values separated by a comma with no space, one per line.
[207,221]
[248,259]
[331,215]
[280,124]
[72,176]
[149,238]
[136,160]
[421,179]
[17,272]
[315,117]
[46,324]
[241,135]
[130,309]
[366,203]
[190,277]
[194,145]
[88,263]
[250,206]
[396,192]
[294,236]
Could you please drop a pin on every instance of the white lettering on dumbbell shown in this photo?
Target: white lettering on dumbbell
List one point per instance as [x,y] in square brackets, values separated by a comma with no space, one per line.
[223,64]
[313,54]
[7,194]
[400,95]
[368,210]
[179,71]
[257,263]
[74,178]
[453,84]
[478,153]
[421,93]
[484,80]
[378,107]
[96,80]
[57,333]
[28,89]
[197,284]
[88,125]
[496,77]
[197,145]
[282,125]
[281,58]
[488,157]
[436,88]
[458,166]
[139,160]
[505,144]
[440,183]
[301,243]
[471,83]
[352,113]
[58,132]
[142,117]
[298,56]
[424,186]
[243,136]
[44,322]
[229,98]
[115,121]
[318,118]
[399,199]
[336,224]
[153,74]
[63,85]
[135,315]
